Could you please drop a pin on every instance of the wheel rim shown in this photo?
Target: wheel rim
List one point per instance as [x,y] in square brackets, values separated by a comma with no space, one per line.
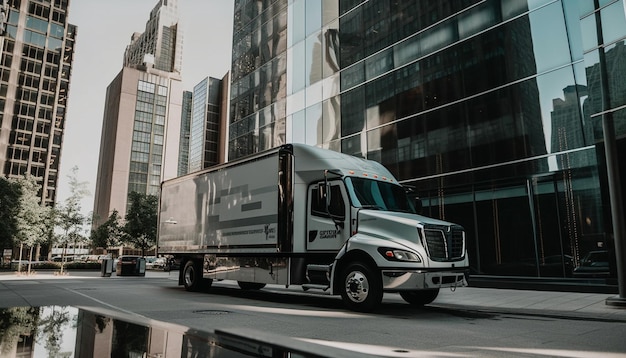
[189,274]
[357,286]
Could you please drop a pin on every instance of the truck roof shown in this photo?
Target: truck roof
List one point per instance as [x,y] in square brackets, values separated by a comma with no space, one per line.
[314,159]
[310,161]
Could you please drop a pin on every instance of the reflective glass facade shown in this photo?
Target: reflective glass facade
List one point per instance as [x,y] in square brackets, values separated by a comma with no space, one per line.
[491,109]
[258,77]
[205,123]
[146,156]
[185,128]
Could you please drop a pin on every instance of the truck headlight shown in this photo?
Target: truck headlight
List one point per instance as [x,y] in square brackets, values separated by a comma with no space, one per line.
[399,255]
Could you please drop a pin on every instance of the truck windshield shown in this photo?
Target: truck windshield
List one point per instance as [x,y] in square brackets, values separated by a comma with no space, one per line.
[367,193]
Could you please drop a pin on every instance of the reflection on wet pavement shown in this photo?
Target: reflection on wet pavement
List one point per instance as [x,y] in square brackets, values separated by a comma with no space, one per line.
[66,331]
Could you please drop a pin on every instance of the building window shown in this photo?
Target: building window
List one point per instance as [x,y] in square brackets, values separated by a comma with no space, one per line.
[146,86]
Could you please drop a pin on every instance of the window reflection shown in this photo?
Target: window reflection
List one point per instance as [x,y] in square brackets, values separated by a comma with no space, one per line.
[549,37]
[613,21]
[313,12]
[482,116]
[496,99]
[314,124]
[313,61]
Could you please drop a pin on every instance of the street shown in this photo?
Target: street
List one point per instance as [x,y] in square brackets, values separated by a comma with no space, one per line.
[395,329]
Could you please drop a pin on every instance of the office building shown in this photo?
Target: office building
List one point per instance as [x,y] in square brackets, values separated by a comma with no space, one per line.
[35,69]
[185,131]
[142,115]
[492,109]
[204,137]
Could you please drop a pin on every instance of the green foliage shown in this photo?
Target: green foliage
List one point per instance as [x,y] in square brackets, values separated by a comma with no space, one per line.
[47,265]
[30,215]
[14,322]
[49,237]
[9,199]
[82,265]
[51,322]
[109,234]
[68,215]
[141,221]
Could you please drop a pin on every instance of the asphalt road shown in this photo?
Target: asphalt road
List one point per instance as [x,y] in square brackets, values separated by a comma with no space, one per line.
[394,330]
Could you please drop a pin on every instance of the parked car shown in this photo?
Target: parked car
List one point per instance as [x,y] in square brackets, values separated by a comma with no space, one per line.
[60,258]
[594,264]
[130,265]
[150,260]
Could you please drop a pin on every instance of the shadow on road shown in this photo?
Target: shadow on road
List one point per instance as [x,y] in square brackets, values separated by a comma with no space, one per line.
[394,309]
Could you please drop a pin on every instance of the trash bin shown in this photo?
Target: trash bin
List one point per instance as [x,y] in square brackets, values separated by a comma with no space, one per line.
[106,268]
[131,266]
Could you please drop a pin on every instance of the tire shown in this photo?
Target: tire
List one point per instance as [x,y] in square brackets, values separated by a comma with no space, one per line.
[419,298]
[254,286]
[192,276]
[360,287]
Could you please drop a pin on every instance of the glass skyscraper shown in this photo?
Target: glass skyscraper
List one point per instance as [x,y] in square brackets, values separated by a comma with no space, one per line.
[185,131]
[35,70]
[204,137]
[491,109]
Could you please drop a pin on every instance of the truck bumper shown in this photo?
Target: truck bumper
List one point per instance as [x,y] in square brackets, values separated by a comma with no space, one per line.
[403,280]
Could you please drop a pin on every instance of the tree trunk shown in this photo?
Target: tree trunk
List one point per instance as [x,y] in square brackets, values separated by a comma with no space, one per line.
[30,258]
[19,260]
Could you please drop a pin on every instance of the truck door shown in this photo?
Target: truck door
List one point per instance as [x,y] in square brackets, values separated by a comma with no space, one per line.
[328,228]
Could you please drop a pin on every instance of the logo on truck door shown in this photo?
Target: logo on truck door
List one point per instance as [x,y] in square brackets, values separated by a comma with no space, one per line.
[322,234]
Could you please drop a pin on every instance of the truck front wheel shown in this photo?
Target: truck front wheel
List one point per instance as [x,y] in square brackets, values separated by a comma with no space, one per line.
[419,298]
[192,276]
[361,289]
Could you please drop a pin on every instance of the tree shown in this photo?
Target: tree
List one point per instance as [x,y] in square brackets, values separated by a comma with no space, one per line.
[141,221]
[50,237]
[30,216]
[109,233]
[69,217]
[9,199]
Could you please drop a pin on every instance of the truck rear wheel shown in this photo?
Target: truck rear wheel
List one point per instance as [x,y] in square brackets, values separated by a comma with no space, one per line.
[192,276]
[250,285]
[419,298]
[361,289]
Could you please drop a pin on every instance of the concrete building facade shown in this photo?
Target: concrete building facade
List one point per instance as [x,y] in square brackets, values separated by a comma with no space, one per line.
[37,46]
[142,117]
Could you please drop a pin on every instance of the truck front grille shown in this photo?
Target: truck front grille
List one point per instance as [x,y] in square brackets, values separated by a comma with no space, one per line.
[444,243]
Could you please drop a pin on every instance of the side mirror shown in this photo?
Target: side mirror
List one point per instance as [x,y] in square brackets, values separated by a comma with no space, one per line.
[324,193]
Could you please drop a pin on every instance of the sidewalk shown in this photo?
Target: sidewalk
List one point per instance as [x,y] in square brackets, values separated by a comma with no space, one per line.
[538,303]
[591,306]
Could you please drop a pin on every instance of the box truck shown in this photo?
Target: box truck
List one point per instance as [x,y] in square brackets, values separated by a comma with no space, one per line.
[303,215]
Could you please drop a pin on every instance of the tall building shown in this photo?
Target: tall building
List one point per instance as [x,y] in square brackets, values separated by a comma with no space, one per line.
[258,77]
[491,109]
[185,129]
[142,115]
[204,136]
[35,70]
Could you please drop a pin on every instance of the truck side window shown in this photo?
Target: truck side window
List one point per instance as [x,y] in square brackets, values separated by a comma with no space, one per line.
[337,207]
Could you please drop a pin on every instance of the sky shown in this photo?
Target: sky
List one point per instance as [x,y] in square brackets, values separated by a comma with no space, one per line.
[104,29]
